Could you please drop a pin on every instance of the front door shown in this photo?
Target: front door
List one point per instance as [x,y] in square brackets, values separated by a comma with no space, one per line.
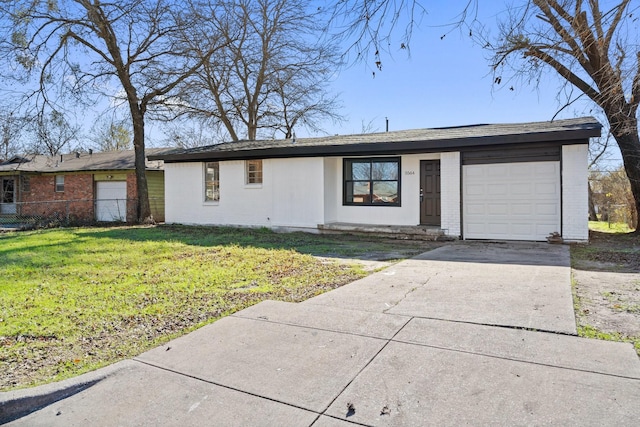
[7,196]
[430,192]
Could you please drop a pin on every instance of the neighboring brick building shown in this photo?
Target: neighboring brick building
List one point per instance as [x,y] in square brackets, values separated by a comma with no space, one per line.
[79,187]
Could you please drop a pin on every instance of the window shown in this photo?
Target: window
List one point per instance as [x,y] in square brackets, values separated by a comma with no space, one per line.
[372,182]
[253,171]
[211,182]
[26,184]
[59,183]
[7,190]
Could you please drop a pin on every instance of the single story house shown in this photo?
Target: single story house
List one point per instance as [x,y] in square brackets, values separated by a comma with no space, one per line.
[519,181]
[79,187]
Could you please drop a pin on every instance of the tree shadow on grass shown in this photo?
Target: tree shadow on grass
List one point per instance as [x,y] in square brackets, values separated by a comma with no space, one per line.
[305,243]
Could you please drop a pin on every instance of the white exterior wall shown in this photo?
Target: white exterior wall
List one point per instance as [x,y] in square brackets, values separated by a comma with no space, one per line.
[291,195]
[409,211]
[332,188]
[575,195]
[302,193]
[450,193]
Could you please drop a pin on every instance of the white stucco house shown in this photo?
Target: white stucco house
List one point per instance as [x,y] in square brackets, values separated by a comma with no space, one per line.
[504,181]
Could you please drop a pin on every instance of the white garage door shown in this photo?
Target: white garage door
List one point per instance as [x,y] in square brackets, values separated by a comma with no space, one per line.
[111,201]
[511,201]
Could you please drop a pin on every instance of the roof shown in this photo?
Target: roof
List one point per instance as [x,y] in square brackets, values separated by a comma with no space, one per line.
[105,161]
[569,131]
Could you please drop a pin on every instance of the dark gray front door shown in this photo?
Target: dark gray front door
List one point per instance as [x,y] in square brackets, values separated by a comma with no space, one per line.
[430,192]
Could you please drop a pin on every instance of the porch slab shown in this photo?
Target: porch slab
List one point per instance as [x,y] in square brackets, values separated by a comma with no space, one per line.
[303,367]
[417,232]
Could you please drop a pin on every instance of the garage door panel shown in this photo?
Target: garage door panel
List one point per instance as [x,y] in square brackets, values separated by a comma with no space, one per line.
[496,228]
[474,189]
[544,168]
[546,188]
[498,189]
[521,209]
[521,229]
[520,188]
[543,227]
[548,209]
[476,227]
[525,170]
[513,201]
[498,209]
[477,208]
[111,201]
[501,171]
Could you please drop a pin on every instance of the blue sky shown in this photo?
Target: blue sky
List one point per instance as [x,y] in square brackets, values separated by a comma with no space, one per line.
[444,82]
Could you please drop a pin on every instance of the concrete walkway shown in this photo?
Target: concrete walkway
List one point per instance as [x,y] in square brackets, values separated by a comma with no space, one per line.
[470,334]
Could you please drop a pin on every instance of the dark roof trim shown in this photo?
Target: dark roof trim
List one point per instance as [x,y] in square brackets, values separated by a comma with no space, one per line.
[501,136]
[413,147]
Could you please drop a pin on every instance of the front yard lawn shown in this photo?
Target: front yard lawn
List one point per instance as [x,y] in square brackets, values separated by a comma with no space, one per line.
[72,300]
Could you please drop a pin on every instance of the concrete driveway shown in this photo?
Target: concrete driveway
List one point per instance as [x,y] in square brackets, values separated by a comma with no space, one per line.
[524,285]
[471,333]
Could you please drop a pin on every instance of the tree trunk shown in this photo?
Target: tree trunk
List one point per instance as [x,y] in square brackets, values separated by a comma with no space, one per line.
[144,208]
[593,216]
[625,131]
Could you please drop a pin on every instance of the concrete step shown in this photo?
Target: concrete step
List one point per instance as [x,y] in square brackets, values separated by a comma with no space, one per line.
[418,232]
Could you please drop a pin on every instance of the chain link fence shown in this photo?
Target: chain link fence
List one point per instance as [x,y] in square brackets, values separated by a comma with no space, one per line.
[32,215]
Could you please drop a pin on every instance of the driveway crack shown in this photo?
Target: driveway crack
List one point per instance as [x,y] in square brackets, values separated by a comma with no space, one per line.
[409,292]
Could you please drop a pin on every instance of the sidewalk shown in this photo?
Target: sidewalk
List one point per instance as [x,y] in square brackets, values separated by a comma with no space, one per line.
[435,340]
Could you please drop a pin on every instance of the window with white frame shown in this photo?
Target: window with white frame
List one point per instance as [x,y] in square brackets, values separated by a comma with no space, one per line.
[59,183]
[253,171]
[211,181]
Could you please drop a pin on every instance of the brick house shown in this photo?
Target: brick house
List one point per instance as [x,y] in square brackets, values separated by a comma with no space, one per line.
[78,187]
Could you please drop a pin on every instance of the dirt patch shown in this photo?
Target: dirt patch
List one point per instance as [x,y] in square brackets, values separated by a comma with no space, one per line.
[606,275]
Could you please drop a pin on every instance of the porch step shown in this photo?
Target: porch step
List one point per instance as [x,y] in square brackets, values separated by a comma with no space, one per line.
[418,232]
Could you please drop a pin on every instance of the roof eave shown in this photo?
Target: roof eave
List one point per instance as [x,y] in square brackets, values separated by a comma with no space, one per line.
[562,137]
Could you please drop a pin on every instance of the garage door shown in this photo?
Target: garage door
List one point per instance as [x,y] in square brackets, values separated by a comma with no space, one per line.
[511,201]
[111,201]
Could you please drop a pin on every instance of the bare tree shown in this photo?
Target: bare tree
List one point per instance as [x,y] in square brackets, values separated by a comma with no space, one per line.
[112,135]
[193,133]
[302,100]
[52,133]
[271,73]
[598,149]
[594,49]
[84,46]
[372,28]
[12,126]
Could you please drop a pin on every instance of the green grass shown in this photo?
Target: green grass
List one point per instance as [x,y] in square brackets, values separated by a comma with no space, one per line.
[72,300]
[607,227]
